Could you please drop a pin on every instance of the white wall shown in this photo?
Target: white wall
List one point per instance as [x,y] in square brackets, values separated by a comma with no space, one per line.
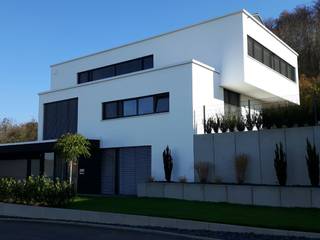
[158,130]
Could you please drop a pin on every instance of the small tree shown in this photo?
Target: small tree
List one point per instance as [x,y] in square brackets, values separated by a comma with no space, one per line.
[72,147]
[167,163]
[312,158]
[280,164]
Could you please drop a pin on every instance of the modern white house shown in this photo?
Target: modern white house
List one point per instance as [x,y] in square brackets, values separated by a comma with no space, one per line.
[138,98]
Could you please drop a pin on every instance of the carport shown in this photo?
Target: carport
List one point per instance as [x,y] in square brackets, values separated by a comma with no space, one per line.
[20,160]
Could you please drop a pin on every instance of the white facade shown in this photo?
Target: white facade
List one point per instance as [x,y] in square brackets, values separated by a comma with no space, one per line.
[219,47]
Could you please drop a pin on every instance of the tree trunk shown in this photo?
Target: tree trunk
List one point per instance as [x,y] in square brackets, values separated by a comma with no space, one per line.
[70,172]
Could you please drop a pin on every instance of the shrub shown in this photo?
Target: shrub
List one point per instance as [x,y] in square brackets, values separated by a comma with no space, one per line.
[167,163]
[202,169]
[241,124]
[151,179]
[183,179]
[249,122]
[38,190]
[312,158]
[280,164]
[208,126]
[223,124]
[258,121]
[241,164]
[216,124]
[232,122]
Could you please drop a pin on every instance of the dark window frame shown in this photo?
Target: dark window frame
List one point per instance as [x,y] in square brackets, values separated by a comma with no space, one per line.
[114,66]
[120,106]
[273,56]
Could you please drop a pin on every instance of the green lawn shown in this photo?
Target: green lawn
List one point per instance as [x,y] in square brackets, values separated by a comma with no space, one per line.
[282,218]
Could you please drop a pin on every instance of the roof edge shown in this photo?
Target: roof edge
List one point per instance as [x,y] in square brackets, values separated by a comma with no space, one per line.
[148,38]
[269,31]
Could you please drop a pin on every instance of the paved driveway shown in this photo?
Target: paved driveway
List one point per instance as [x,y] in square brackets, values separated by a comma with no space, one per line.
[20,230]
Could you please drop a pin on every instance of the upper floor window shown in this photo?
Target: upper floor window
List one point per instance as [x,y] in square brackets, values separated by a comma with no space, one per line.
[270,59]
[130,66]
[136,106]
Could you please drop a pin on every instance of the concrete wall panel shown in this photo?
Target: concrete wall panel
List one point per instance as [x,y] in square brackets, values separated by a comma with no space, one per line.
[248,143]
[268,141]
[224,153]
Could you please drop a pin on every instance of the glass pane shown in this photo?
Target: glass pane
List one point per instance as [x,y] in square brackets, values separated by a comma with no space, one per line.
[276,63]
[83,77]
[250,46]
[145,105]
[267,57]
[292,73]
[162,103]
[283,68]
[258,51]
[48,164]
[35,167]
[128,67]
[103,73]
[130,107]
[148,62]
[110,110]
[231,98]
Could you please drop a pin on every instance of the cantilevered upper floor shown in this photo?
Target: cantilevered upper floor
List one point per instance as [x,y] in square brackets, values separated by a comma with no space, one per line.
[251,60]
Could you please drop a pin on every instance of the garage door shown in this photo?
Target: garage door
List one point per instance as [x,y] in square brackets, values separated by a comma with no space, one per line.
[123,168]
[13,168]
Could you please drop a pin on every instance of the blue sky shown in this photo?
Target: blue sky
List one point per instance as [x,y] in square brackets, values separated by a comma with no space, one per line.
[37,33]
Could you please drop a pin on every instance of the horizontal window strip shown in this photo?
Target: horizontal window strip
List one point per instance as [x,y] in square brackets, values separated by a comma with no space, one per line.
[117,69]
[270,59]
[138,106]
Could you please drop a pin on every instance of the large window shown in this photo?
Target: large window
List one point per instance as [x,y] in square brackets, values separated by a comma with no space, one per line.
[116,69]
[136,106]
[59,118]
[270,59]
[231,102]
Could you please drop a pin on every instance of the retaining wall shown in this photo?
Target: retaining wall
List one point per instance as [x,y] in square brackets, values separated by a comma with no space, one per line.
[220,151]
[263,195]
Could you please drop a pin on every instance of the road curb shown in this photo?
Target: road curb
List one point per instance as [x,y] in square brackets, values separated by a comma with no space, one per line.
[106,226]
[90,217]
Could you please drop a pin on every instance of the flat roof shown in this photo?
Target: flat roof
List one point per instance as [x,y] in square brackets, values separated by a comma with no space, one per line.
[181,29]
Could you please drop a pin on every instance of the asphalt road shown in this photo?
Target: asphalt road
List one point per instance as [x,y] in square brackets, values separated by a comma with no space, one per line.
[20,230]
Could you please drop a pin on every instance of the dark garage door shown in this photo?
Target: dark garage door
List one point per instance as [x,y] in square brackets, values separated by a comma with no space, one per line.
[123,168]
